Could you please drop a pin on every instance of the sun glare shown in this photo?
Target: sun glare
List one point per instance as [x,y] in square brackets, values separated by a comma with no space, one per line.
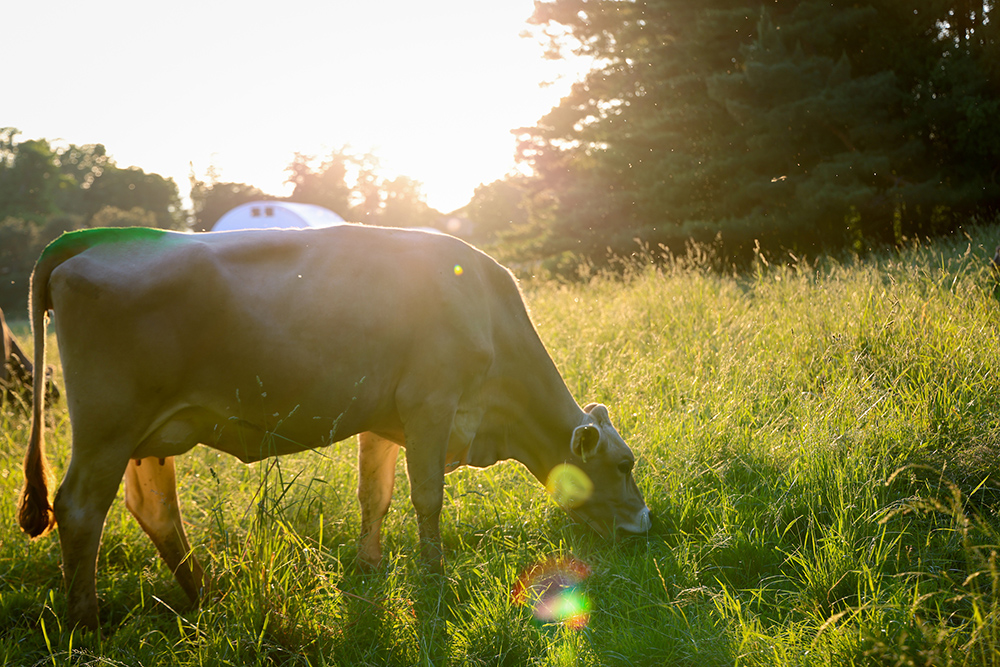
[433,90]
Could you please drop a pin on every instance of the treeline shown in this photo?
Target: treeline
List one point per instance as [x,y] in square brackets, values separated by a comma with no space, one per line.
[46,190]
[348,183]
[801,125]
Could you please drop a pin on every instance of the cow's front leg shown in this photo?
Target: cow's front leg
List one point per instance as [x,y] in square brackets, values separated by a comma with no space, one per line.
[425,468]
[376,476]
[81,506]
[151,497]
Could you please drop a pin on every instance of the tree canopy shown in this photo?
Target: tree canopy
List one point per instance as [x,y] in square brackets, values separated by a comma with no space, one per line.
[348,183]
[46,190]
[38,181]
[802,125]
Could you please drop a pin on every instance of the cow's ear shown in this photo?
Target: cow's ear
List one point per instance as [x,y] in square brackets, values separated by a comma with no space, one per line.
[586,440]
[598,412]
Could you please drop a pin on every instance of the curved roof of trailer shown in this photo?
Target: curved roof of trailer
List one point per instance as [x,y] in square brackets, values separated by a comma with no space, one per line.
[276,214]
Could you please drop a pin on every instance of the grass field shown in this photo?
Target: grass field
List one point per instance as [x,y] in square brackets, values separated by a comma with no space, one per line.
[817,441]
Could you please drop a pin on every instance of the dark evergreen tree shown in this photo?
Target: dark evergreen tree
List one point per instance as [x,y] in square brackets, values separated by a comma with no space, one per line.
[803,124]
[823,148]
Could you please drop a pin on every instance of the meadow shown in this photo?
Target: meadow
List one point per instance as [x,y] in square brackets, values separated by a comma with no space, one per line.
[817,441]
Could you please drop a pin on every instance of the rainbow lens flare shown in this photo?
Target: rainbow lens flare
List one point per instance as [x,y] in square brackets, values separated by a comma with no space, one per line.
[553,591]
[569,485]
[458,270]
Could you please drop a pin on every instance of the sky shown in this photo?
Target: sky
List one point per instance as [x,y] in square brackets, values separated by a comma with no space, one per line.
[433,89]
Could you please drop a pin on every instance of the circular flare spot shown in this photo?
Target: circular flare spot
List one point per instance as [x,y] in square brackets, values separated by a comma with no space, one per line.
[569,485]
[553,591]
[458,270]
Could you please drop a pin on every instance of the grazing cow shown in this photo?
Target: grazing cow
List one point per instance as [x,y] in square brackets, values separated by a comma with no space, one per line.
[261,343]
[16,371]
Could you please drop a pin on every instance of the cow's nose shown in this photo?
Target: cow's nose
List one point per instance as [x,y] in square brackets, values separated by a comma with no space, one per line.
[641,524]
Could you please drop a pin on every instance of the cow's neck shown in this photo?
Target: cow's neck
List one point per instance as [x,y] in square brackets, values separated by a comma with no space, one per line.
[530,415]
[548,425]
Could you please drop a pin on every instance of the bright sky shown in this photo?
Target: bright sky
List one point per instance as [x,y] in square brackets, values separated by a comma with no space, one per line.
[432,88]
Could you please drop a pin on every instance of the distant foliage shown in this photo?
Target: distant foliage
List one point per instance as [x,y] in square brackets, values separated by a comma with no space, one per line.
[804,125]
[211,200]
[46,190]
[352,185]
[348,183]
[112,216]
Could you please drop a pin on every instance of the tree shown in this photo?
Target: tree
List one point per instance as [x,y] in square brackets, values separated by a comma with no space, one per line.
[627,149]
[821,150]
[132,187]
[324,184]
[404,205]
[29,177]
[110,216]
[864,153]
[83,165]
[804,124]
[498,208]
[211,200]
[367,194]
[93,181]
[45,191]
[351,185]
[19,247]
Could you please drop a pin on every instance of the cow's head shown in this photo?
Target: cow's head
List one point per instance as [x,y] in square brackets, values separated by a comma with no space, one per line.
[613,502]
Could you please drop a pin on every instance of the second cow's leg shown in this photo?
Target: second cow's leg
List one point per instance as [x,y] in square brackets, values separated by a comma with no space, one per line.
[376,476]
[151,497]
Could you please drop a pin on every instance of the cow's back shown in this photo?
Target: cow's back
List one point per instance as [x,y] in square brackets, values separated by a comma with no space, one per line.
[308,332]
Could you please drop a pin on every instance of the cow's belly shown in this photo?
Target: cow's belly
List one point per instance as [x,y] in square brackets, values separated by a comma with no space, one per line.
[181,428]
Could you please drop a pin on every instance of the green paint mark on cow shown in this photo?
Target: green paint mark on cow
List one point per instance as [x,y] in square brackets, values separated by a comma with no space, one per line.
[77,241]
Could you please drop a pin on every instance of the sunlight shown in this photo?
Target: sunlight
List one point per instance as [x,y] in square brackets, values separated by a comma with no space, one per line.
[433,90]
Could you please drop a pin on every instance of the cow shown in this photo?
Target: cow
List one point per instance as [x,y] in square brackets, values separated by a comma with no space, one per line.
[267,342]
[16,371]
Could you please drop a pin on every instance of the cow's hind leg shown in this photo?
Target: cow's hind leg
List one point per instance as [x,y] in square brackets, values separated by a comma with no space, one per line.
[376,476]
[81,506]
[151,497]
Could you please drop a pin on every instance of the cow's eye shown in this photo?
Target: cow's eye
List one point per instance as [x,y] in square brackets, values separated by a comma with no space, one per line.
[625,467]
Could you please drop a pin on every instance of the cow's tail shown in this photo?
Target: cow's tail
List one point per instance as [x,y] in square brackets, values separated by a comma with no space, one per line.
[34,509]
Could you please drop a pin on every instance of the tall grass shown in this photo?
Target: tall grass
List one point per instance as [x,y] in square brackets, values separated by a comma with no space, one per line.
[817,441]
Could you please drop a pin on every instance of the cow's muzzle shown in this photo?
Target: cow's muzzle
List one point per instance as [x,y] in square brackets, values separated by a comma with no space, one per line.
[641,524]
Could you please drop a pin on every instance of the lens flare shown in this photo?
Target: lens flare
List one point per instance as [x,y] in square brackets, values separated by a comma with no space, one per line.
[458,270]
[569,485]
[553,591]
